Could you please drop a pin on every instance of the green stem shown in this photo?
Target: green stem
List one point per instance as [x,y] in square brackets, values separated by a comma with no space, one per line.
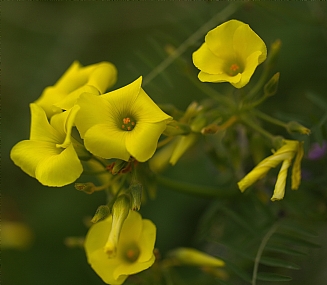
[200,190]
[256,127]
[260,251]
[219,17]
[269,118]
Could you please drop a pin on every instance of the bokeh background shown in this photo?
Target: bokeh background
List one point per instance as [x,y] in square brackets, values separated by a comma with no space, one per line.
[39,41]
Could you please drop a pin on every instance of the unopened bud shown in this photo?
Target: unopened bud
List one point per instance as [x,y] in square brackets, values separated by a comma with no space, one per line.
[101,213]
[118,166]
[136,192]
[193,257]
[120,211]
[271,86]
[298,128]
[273,53]
[87,187]
[175,128]
[198,123]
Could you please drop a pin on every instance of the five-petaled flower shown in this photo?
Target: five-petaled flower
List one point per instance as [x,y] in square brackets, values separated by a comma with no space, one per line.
[134,250]
[49,154]
[231,53]
[95,78]
[122,123]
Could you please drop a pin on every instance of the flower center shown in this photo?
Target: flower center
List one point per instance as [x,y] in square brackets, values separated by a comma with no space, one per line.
[128,124]
[234,69]
[131,253]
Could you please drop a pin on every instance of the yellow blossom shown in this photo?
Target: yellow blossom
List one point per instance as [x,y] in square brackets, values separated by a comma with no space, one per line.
[283,155]
[121,123]
[95,78]
[49,154]
[231,53]
[134,249]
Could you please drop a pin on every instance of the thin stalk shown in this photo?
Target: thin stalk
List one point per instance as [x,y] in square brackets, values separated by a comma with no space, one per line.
[256,127]
[220,17]
[269,118]
[260,251]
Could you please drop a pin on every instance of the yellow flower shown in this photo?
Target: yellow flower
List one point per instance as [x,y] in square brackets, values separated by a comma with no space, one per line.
[283,155]
[231,53]
[95,78]
[121,123]
[134,250]
[49,154]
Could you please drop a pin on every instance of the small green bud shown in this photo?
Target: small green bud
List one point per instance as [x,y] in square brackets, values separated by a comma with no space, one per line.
[273,54]
[198,123]
[136,192]
[175,128]
[278,142]
[271,86]
[87,187]
[118,166]
[101,213]
[298,128]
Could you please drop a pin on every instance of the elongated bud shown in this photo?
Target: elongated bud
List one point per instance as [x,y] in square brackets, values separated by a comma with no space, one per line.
[279,190]
[295,127]
[273,54]
[101,213]
[296,170]
[120,212]
[199,122]
[87,187]
[271,86]
[175,128]
[183,144]
[193,257]
[136,192]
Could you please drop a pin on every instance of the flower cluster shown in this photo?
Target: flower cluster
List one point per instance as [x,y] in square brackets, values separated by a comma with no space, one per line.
[78,126]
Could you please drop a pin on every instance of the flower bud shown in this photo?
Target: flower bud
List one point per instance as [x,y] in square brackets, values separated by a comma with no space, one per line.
[298,128]
[120,211]
[193,257]
[175,128]
[136,192]
[118,166]
[87,187]
[101,213]
[271,86]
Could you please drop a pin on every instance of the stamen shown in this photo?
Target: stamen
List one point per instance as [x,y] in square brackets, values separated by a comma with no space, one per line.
[128,124]
[234,68]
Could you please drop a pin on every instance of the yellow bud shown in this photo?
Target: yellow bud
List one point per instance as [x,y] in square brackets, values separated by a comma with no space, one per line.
[120,212]
[193,257]
[281,181]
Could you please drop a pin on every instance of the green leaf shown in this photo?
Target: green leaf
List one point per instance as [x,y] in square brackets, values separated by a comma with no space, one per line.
[238,271]
[299,229]
[278,263]
[296,241]
[266,276]
[285,250]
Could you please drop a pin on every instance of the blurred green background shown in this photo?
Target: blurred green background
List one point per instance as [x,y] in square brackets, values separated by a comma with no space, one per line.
[39,41]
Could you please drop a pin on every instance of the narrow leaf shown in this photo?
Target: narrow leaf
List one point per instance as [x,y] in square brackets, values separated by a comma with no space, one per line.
[285,250]
[266,276]
[299,229]
[296,241]
[278,263]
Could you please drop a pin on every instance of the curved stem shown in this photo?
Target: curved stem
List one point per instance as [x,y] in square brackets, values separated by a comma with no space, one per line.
[256,127]
[262,246]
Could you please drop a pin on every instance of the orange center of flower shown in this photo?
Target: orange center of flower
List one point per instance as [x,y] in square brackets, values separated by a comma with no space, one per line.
[128,124]
[234,69]
[132,253]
